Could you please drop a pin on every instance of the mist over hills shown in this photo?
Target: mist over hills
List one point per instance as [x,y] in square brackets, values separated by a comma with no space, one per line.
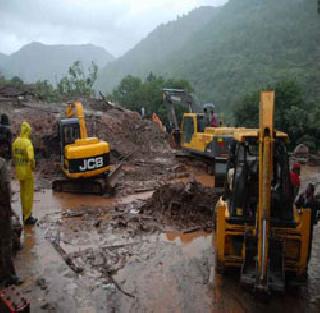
[226,52]
[37,61]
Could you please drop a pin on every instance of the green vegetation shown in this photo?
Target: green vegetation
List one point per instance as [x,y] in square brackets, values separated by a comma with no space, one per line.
[77,83]
[227,52]
[14,81]
[134,93]
[301,120]
[45,91]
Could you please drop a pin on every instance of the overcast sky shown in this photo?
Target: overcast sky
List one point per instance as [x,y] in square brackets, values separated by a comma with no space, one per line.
[116,25]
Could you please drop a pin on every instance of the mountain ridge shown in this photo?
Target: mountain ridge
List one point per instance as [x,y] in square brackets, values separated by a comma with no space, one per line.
[50,62]
[244,45]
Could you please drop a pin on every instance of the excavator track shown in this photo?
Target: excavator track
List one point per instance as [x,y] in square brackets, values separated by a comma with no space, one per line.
[98,185]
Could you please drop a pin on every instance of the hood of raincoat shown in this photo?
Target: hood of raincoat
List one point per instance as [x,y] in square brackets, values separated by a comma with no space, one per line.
[25,130]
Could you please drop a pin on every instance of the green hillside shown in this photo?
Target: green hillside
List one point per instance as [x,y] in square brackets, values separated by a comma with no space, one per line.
[152,52]
[229,51]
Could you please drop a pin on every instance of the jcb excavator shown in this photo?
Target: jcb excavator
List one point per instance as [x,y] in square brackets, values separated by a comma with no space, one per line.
[258,228]
[85,161]
[195,137]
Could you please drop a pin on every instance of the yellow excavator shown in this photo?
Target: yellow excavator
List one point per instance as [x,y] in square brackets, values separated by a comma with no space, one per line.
[259,230]
[85,161]
[195,137]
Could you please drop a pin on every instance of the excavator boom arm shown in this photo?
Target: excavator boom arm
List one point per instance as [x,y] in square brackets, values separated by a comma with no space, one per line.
[265,176]
[75,109]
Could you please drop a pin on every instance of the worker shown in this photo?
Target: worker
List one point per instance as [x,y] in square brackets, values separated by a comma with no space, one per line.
[307,200]
[157,120]
[5,138]
[7,270]
[23,155]
[295,178]
[205,117]
[214,120]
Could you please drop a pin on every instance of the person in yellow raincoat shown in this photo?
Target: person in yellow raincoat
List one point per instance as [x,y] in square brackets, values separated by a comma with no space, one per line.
[23,156]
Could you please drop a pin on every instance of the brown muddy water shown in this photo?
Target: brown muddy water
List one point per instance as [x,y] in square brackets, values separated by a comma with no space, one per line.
[165,271]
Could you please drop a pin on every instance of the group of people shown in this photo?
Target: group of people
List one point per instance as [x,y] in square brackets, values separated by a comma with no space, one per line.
[22,154]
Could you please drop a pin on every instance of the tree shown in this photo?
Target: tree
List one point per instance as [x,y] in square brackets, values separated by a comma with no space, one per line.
[293,115]
[133,93]
[45,91]
[128,92]
[77,83]
[16,81]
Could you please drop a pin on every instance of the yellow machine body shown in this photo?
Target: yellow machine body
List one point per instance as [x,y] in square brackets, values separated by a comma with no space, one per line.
[197,137]
[84,156]
[296,240]
[279,242]
[89,148]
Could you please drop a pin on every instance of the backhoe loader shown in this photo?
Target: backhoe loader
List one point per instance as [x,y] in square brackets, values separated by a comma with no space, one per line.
[85,161]
[259,230]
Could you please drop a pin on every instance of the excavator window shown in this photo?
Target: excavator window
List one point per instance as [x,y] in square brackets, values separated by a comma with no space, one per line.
[188,129]
[71,133]
[68,131]
[201,123]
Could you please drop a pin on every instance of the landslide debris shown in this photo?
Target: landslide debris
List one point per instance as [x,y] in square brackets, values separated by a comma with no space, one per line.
[125,130]
[184,205]
[136,142]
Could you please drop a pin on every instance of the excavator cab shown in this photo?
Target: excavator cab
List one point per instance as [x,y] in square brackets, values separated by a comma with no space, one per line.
[68,133]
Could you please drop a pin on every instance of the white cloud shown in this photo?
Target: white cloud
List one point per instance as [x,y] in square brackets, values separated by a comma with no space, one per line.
[114,24]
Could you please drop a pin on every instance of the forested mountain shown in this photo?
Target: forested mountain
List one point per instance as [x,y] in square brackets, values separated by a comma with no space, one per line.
[159,46]
[37,61]
[228,51]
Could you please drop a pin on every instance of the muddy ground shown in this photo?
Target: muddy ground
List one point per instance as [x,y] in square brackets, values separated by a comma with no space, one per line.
[146,249]
[99,254]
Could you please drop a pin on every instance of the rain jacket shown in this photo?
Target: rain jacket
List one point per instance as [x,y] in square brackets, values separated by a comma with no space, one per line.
[23,154]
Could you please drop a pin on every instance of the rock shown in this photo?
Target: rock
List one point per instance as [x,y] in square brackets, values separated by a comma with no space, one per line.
[42,283]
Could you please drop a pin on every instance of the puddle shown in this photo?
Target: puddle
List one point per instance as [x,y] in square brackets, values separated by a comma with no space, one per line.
[183,239]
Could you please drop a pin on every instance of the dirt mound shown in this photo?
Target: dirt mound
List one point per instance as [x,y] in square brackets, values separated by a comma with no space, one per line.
[186,205]
[129,134]
[126,132]
[44,128]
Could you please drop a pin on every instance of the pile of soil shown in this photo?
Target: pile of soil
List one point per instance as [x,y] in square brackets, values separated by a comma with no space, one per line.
[44,128]
[186,205]
[127,133]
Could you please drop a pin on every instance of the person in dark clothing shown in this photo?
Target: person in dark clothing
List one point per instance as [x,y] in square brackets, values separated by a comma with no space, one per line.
[7,270]
[214,120]
[295,178]
[5,137]
[307,200]
[206,118]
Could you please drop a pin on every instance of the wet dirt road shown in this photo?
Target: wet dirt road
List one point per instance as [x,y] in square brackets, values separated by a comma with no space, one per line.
[164,271]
